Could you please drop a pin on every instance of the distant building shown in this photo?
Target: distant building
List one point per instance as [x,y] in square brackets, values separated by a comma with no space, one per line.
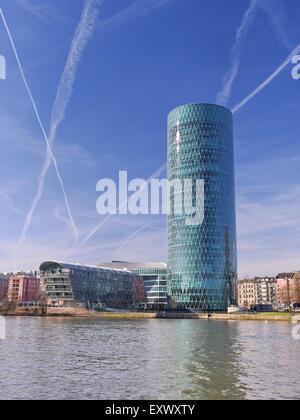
[154,276]
[257,291]
[23,288]
[246,293]
[75,284]
[3,286]
[288,290]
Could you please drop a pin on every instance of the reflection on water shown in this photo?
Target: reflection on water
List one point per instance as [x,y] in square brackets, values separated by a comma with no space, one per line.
[149,359]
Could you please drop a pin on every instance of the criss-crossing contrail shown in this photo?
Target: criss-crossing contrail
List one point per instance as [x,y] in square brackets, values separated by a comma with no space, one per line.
[267,81]
[224,94]
[49,148]
[82,35]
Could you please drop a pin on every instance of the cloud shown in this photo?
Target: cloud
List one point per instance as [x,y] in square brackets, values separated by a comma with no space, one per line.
[268,216]
[133,235]
[40,60]
[39,10]
[268,236]
[60,216]
[21,140]
[137,10]
[143,248]
[14,136]
[276,11]
[74,154]
[7,201]
[236,53]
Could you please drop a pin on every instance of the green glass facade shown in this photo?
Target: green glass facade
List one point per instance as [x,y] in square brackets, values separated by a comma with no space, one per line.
[202,259]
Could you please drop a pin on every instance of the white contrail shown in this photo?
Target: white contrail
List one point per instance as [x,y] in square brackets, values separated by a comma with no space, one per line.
[224,94]
[82,35]
[133,235]
[49,149]
[267,81]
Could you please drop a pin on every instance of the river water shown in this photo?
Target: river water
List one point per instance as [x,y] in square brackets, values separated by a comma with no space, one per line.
[45,358]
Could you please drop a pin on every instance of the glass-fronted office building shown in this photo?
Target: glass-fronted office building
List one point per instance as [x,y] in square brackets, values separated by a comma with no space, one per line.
[202,259]
[154,276]
[67,284]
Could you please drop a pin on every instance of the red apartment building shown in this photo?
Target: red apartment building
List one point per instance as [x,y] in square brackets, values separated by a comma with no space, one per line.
[288,290]
[23,288]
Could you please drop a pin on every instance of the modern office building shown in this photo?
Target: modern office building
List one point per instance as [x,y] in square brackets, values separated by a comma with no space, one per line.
[23,288]
[202,259]
[154,276]
[74,284]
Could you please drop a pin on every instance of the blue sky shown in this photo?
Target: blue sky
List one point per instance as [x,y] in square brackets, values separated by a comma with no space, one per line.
[144,58]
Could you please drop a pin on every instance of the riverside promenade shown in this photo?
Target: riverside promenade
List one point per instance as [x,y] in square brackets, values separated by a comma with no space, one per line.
[84,313]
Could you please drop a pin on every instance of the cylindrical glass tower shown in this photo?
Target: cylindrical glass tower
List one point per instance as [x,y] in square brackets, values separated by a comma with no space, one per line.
[202,258]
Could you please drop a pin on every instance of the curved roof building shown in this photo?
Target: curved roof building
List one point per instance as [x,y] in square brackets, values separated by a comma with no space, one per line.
[65,283]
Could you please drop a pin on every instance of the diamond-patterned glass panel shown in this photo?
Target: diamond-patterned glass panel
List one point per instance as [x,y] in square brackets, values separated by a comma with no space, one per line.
[202,259]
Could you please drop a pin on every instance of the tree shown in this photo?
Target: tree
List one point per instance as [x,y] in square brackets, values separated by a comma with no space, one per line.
[43,302]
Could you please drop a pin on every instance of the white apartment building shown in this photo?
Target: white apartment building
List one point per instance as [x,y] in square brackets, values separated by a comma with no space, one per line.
[258,291]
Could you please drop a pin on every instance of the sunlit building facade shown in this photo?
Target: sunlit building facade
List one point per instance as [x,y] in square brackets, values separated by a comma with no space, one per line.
[69,284]
[154,276]
[202,259]
[257,291]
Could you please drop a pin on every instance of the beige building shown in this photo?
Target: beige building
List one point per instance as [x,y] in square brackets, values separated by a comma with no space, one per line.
[258,291]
